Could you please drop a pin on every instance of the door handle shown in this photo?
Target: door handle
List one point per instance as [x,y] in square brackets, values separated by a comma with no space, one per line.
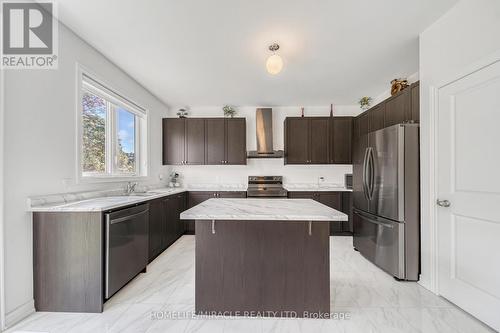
[443,203]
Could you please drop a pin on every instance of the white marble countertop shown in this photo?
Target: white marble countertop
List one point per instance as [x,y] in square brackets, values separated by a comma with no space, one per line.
[105,203]
[311,187]
[98,201]
[216,187]
[263,209]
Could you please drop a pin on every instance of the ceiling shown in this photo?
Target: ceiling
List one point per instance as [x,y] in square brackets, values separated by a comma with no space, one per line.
[200,53]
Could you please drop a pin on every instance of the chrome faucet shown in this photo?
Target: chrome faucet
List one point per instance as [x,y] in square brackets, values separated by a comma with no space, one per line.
[130,188]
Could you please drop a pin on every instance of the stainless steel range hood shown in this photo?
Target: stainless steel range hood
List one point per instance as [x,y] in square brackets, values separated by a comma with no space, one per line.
[264,131]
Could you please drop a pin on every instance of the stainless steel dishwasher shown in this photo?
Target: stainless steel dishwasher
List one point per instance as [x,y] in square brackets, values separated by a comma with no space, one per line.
[126,246]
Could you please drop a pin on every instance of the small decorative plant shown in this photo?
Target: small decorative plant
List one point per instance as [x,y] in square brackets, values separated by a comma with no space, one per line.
[229,111]
[365,102]
[182,113]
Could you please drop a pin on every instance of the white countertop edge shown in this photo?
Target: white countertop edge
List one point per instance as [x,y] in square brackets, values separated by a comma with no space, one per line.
[73,206]
[315,188]
[287,218]
[162,192]
[263,210]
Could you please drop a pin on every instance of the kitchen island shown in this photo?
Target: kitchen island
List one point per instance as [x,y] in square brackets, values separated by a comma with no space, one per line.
[262,257]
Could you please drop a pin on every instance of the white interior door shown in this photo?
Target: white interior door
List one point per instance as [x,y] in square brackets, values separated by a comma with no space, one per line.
[469,178]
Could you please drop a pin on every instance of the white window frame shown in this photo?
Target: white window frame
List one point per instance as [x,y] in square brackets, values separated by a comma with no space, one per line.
[88,82]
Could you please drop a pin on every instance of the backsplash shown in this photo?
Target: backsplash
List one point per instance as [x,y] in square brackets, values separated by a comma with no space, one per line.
[261,167]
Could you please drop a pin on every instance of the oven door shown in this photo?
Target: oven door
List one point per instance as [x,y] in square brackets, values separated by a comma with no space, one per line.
[126,246]
[381,241]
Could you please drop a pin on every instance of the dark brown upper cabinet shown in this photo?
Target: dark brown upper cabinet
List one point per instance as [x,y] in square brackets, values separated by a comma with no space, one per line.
[397,108]
[195,141]
[403,107]
[225,141]
[306,140]
[376,117]
[364,124]
[174,133]
[341,142]
[183,141]
[318,140]
[297,140]
[415,102]
[236,141]
[192,141]
[215,140]
[319,145]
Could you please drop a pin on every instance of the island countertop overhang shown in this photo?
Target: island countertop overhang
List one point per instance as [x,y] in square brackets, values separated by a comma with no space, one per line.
[263,210]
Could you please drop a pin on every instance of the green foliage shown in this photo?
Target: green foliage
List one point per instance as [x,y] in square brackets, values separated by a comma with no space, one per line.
[229,111]
[365,102]
[126,161]
[94,138]
[94,133]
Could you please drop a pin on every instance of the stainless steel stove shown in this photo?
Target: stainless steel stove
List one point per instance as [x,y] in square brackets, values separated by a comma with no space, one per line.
[266,187]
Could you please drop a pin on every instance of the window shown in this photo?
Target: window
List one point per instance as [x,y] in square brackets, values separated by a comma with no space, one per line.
[113,133]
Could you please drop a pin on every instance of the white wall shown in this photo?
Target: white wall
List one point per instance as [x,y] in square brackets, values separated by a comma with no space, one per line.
[467,33]
[291,173]
[40,141]
[2,126]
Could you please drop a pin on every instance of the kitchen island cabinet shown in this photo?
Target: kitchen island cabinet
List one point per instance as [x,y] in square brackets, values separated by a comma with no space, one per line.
[235,239]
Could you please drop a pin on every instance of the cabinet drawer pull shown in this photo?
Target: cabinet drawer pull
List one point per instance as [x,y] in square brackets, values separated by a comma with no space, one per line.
[213,227]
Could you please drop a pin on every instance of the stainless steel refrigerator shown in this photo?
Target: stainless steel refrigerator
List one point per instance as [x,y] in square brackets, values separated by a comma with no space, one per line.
[386,194]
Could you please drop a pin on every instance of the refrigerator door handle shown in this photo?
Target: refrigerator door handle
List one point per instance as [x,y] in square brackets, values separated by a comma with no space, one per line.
[365,160]
[371,170]
[374,220]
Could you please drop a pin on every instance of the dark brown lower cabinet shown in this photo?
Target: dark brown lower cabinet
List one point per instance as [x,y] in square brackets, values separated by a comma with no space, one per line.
[275,268]
[165,225]
[347,206]
[68,261]
[197,197]
[341,201]
[156,226]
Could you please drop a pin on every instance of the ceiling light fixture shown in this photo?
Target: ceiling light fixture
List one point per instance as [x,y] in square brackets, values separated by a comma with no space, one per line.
[274,63]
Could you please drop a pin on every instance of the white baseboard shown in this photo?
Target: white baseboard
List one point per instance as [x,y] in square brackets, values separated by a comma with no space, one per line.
[19,313]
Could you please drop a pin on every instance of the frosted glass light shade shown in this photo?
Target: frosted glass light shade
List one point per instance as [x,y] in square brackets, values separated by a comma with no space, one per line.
[274,64]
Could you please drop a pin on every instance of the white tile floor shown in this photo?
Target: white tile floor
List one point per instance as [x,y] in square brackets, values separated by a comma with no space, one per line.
[374,300]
